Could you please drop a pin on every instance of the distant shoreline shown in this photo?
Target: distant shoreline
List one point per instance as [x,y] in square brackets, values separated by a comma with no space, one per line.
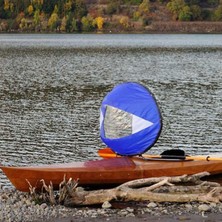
[170,27]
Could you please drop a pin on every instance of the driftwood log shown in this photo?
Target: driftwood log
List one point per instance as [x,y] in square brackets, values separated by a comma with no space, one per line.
[164,189]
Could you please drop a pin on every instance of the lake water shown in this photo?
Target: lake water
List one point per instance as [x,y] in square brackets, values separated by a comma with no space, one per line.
[51,88]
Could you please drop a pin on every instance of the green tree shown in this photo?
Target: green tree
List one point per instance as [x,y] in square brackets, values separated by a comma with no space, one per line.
[212,3]
[218,14]
[48,6]
[80,9]
[185,14]
[37,4]
[87,23]
[113,6]
[68,26]
[196,12]
[72,24]
[36,17]
[176,6]
[206,14]
[76,25]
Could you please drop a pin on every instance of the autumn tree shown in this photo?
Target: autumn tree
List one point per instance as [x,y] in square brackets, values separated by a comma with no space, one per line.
[99,22]
[68,6]
[19,17]
[23,24]
[144,7]
[63,24]
[30,9]
[53,20]
[8,8]
[124,21]
[43,21]
[8,5]
[143,10]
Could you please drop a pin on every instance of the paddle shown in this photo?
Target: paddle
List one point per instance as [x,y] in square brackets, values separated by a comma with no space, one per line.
[108,153]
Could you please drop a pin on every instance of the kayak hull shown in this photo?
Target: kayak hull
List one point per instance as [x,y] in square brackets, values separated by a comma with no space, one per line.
[105,172]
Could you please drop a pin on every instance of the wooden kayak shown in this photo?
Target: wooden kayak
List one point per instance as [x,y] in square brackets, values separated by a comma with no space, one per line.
[112,171]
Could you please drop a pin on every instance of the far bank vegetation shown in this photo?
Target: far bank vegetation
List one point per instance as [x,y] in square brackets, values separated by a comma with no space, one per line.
[70,16]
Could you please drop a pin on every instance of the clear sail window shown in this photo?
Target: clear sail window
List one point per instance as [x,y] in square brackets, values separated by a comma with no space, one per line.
[117,123]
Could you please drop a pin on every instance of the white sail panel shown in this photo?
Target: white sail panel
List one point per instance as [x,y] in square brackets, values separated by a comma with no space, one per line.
[139,124]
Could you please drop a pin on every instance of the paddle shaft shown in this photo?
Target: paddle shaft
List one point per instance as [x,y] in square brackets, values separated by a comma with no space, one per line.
[108,153]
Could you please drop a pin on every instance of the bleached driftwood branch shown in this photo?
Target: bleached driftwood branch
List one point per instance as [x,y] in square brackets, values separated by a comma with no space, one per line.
[162,189]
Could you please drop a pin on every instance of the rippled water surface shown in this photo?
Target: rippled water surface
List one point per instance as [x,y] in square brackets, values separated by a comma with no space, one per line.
[51,87]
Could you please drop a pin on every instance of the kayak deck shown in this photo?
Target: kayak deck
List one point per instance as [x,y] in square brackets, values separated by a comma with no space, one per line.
[106,171]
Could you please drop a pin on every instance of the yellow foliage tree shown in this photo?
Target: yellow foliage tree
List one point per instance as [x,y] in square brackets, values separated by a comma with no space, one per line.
[54,18]
[124,21]
[19,17]
[30,9]
[68,6]
[52,23]
[136,15]
[63,24]
[8,5]
[144,7]
[99,22]
[38,2]
[23,24]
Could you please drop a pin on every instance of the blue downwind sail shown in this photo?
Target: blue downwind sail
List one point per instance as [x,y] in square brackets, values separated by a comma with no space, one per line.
[130,120]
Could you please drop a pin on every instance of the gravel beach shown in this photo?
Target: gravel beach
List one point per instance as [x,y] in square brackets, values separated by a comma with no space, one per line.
[19,207]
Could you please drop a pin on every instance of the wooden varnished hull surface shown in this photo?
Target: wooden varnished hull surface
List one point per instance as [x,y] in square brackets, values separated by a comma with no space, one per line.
[106,171]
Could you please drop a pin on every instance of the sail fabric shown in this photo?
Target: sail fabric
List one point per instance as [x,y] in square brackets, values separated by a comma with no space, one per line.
[130,120]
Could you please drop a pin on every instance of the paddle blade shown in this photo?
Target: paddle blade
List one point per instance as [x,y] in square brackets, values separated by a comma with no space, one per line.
[130,120]
[106,153]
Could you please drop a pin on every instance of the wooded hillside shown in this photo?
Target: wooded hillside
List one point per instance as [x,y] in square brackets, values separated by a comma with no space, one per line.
[110,15]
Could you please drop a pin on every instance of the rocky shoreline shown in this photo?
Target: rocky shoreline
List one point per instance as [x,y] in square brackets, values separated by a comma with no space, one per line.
[20,207]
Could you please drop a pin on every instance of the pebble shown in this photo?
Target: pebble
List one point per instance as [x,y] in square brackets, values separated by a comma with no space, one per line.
[151,205]
[130,210]
[188,207]
[204,208]
[19,207]
[106,205]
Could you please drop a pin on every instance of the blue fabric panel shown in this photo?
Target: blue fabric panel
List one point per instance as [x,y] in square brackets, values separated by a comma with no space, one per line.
[135,99]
